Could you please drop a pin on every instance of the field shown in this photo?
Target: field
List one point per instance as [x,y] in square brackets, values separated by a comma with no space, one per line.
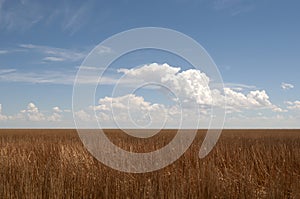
[243,164]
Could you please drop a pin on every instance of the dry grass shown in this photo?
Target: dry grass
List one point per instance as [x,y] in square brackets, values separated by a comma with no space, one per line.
[244,164]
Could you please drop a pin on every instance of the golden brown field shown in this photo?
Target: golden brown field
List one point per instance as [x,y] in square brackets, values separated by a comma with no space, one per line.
[243,164]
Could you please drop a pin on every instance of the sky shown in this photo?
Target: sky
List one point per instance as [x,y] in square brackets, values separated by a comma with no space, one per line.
[254,44]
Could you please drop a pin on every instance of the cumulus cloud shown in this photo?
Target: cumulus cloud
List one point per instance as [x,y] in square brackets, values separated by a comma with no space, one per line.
[132,110]
[189,87]
[32,113]
[2,117]
[286,86]
[194,86]
[293,105]
[278,109]
[56,109]
[253,100]
[83,115]
[56,115]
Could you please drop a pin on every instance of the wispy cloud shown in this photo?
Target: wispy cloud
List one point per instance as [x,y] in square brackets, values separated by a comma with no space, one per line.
[5,71]
[87,68]
[56,54]
[20,15]
[239,87]
[76,17]
[53,77]
[4,51]
[286,86]
[234,7]
[9,50]
[53,59]
[34,77]
[72,17]
[1,3]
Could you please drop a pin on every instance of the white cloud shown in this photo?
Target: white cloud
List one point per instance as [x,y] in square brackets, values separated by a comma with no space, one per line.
[87,68]
[234,7]
[132,111]
[23,15]
[286,86]
[54,77]
[5,71]
[53,59]
[76,17]
[193,86]
[11,50]
[103,49]
[293,105]
[56,115]
[278,109]
[252,100]
[3,51]
[83,115]
[239,87]
[32,113]
[57,109]
[2,117]
[49,77]
[56,54]
[20,16]
[189,86]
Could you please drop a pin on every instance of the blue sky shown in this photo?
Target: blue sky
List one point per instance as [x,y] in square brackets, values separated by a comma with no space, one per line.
[255,44]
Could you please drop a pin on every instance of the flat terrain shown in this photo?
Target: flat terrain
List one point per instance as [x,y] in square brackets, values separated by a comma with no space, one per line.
[243,164]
